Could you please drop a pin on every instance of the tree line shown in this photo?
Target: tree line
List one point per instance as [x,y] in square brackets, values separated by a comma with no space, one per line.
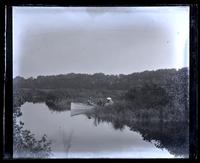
[161,94]
[162,77]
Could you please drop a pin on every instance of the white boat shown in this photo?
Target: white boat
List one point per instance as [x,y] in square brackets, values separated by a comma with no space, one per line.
[80,108]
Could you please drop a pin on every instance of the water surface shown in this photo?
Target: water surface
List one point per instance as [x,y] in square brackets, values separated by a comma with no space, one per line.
[79,137]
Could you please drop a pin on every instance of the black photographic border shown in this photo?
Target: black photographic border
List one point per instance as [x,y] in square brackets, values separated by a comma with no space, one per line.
[7,66]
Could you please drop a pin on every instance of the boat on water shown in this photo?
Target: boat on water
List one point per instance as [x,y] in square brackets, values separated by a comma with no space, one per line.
[80,108]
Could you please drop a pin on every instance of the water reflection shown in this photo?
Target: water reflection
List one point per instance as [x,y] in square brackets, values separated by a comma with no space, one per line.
[173,136]
[94,136]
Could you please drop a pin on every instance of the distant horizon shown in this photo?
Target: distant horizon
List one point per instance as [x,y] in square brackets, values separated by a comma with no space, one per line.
[35,77]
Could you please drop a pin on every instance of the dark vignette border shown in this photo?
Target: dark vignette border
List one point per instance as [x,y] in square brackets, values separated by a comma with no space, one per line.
[2,27]
[193,93]
[8,94]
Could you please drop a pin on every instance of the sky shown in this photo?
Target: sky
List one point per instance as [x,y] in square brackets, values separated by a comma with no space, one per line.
[111,40]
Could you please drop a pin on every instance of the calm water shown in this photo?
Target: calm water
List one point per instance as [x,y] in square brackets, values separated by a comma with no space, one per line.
[86,139]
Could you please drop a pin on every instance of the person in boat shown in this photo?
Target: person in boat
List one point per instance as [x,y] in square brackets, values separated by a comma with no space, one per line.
[109,101]
[101,102]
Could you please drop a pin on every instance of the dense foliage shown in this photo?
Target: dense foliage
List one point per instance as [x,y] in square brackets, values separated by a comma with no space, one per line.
[159,95]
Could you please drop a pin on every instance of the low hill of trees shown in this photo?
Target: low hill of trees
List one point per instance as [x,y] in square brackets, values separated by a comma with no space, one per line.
[162,77]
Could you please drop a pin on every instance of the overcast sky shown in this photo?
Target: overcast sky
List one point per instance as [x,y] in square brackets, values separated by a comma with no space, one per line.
[112,40]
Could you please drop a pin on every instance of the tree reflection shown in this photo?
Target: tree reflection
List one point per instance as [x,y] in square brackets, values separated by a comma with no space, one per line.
[173,136]
[58,105]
